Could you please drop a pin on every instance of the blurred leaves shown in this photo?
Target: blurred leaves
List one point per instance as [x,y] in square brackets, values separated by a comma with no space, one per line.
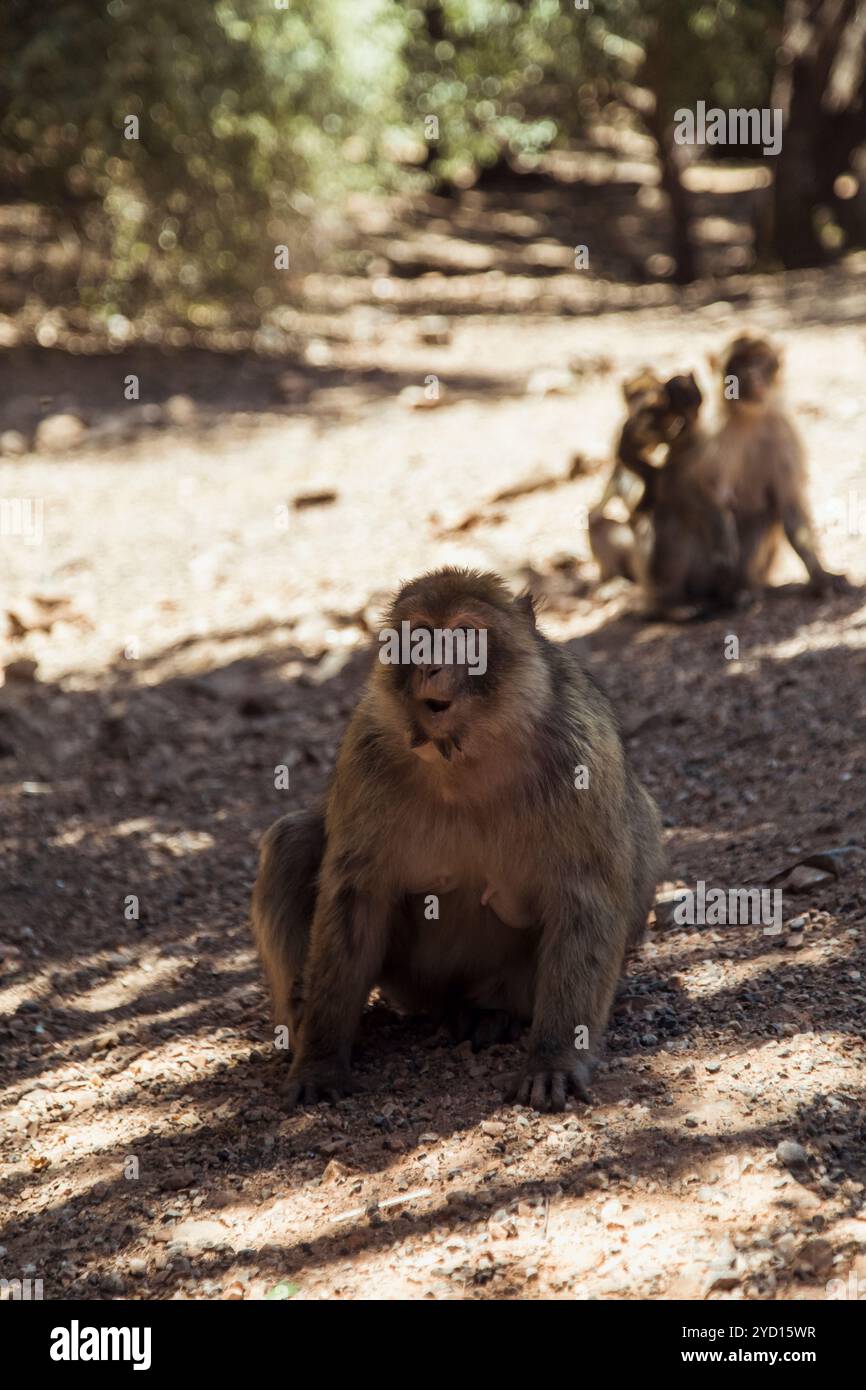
[255,121]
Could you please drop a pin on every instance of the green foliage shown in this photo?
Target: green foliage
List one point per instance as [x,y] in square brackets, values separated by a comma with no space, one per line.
[515,78]
[250,118]
[255,121]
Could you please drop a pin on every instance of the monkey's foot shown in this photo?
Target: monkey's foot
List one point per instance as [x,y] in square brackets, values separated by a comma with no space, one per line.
[310,1082]
[820,585]
[548,1088]
[483,1026]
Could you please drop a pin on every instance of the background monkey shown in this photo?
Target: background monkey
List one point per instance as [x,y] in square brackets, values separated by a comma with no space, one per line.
[755,465]
[463,785]
[686,544]
[611,538]
[679,544]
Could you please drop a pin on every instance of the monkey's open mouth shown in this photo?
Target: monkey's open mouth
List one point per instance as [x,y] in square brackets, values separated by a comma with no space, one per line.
[437,706]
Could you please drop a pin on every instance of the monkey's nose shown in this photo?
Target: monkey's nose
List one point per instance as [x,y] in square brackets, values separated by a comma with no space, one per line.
[437,706]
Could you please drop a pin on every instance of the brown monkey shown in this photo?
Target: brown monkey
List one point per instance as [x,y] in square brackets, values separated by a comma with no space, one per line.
[611,537]
[755,465]
[686,545]
[502,797]
[678,543]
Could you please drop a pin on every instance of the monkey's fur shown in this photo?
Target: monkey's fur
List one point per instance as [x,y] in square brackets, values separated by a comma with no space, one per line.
[462,786]
[611,538]
[686,543]
[679,543]
[755,466]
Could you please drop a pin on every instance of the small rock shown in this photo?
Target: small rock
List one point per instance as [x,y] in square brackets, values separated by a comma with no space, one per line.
[202,1235]
[435,330]
[791,1154]
[418,397]
[492,1127]
[57,433]
[314,499]
[550,382]
[178,1180]
[24,669]
[180,410]
[12,443]
[816,1255]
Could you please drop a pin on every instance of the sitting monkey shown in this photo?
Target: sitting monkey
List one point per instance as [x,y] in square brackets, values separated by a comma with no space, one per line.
[505,797]
[755,466]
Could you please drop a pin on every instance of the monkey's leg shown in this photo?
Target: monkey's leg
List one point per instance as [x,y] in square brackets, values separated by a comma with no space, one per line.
[580,960]
[284,899]
[484,1027]
[612,546]
[347,947]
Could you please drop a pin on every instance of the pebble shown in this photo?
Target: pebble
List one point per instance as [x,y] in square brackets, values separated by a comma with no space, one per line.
[12,443]
[57,433]
[180,410]
[791,1154]
[492,1127]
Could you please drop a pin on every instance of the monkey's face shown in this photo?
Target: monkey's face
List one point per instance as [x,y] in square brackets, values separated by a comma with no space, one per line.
[754,366]
[459,654]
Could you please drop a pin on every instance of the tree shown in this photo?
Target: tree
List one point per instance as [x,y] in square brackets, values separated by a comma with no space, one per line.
[821,89]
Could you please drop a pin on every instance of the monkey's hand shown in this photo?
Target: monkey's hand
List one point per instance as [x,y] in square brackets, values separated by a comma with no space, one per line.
[310,1082]
[547,1086]
[823,583]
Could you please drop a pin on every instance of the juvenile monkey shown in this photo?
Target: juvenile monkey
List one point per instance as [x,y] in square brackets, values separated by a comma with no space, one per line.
[679,544]
[755,465]
[611,537]
[503,797]
[686,545]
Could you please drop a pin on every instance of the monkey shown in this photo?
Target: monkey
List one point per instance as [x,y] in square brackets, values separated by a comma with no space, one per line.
[485,846]
[686,545]
[755,465]
[611,538]
[679,544]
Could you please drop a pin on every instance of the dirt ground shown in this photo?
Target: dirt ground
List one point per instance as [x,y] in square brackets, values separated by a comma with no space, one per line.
[194,629]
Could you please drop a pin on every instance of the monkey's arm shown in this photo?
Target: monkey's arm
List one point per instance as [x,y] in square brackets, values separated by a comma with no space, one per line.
[801,536]
[347,946]
[580,957]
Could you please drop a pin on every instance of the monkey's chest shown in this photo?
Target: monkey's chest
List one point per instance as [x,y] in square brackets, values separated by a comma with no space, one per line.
[468,874]
[475,897]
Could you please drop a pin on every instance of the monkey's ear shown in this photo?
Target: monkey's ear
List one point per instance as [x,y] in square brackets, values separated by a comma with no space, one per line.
[526,604]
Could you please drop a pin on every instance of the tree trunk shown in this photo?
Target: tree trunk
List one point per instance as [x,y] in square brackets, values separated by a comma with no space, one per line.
[814,33]
[672,160]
